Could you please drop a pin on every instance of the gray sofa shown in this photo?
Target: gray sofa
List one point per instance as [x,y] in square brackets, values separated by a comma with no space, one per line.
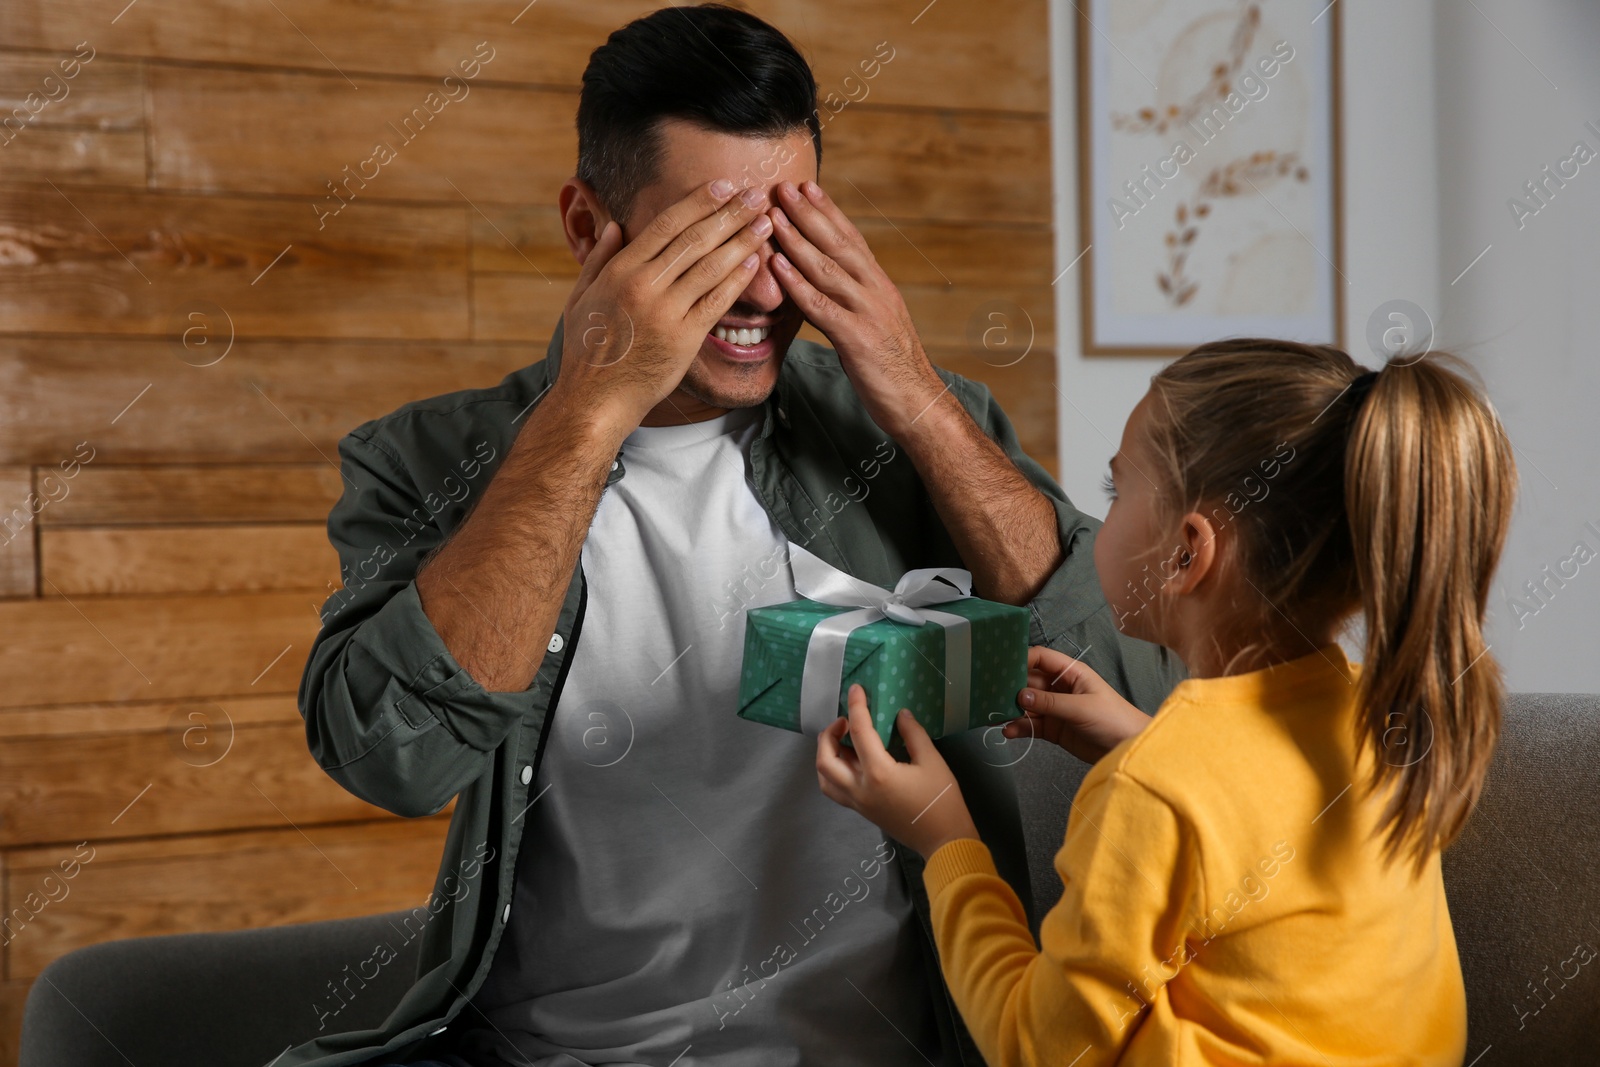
[1523,886]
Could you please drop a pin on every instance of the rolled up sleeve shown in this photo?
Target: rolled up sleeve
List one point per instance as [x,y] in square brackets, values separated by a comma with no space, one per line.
[390,715]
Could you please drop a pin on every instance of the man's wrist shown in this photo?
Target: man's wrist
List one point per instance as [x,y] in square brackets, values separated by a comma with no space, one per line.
[927,414]
[596,429]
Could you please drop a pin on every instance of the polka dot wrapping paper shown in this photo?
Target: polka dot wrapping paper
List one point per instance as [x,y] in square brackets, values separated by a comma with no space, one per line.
[898,664]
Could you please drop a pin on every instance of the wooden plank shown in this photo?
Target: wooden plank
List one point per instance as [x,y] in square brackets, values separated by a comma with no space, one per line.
[966,317]
[410,37]
[958,317]
[521,239]
[527,307]
[87,720]
[266,400]
[228,881]
[518,145]
[939,165]
[86,128]
[105,94]
[491,143]
[104,495]
[959,253]
[1025,391]
[198,772]
[18,541]
[13,997]
[528,239]
[97,260]
[64,155]
[1023,385]
[95,561]
[153,648]
[517,307]
[991,56]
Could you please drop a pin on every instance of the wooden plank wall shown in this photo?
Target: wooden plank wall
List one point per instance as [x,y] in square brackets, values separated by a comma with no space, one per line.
[183,340]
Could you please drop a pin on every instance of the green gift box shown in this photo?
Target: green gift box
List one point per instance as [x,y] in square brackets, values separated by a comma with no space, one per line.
[900,664]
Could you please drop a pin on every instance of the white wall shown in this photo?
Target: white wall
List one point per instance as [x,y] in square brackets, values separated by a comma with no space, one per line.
[1518,80]
[1443,120]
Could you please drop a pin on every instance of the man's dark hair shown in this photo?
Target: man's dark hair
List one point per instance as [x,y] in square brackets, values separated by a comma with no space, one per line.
[713,65]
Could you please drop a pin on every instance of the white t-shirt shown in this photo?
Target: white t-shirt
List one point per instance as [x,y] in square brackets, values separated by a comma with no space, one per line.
[688,890]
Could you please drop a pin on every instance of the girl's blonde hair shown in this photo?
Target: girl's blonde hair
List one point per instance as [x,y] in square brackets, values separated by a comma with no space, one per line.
[1394,498]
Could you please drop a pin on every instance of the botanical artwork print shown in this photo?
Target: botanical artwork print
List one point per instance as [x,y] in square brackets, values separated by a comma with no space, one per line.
[1210,163]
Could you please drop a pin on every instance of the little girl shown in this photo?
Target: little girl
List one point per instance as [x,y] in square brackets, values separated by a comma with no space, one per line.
[1251,876]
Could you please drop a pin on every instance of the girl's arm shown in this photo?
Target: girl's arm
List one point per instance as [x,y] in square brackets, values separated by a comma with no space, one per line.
[1109,947]
[1130,872]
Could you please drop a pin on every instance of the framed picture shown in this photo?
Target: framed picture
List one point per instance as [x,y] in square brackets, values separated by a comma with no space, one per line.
[1208,155]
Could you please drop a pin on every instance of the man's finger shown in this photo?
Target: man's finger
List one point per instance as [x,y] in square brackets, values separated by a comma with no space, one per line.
[820,309]
[714,268]
[709,308]
[816,194]
[820,269]
[662,230]
[830,231]
[605,248]
[702,237]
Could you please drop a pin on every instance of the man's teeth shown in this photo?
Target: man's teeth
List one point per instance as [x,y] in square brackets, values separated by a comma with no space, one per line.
[752,336]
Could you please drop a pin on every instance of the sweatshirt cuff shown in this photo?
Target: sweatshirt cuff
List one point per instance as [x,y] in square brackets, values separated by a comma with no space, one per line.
[952,860]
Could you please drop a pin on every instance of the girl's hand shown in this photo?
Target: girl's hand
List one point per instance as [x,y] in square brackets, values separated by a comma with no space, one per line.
[1071,705]
[916,803]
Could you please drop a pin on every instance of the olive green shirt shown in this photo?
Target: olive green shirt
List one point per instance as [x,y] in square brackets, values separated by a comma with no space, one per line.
[393,718]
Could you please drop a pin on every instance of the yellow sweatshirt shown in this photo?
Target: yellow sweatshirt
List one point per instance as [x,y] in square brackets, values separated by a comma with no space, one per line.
[1225,903]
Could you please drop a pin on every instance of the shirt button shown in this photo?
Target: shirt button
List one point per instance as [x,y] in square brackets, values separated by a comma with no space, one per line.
[505,915]
[527,773]
[615,464]
[557,643]
[783,416]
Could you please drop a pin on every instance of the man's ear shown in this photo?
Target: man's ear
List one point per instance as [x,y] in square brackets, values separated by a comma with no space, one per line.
[582,217]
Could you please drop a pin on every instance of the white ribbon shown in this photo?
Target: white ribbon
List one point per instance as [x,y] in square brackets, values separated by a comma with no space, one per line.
[816,579]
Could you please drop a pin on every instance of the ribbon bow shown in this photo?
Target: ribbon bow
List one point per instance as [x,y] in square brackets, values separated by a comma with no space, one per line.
[816,579]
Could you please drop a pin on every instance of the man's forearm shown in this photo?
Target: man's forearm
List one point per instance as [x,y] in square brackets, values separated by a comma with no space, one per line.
[1003,526]
[494,590]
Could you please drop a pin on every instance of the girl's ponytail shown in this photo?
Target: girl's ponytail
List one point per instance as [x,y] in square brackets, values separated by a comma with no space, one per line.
[1428,486]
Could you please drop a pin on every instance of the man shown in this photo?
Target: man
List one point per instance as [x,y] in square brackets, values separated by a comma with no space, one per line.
[545,588]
